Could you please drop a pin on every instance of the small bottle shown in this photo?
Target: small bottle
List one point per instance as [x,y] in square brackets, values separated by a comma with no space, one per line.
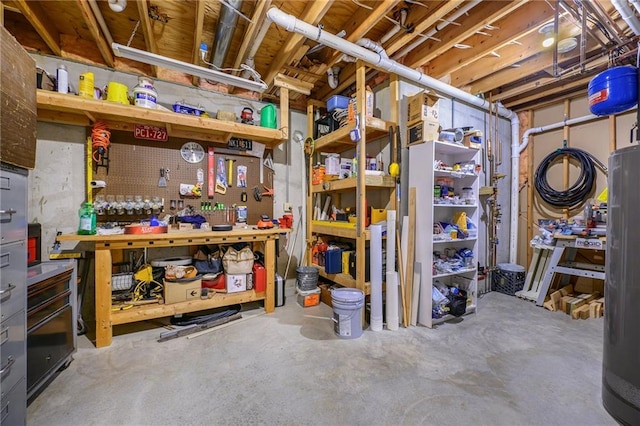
[62,78]
[154,221]
[354,166]
[87,224]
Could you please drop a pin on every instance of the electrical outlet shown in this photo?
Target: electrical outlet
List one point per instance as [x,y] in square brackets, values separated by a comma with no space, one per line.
[287,207]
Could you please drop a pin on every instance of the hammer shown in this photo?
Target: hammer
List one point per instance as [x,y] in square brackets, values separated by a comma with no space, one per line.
[230,161]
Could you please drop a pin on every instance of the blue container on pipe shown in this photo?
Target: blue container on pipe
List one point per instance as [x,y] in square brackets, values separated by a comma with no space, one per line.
[614,90]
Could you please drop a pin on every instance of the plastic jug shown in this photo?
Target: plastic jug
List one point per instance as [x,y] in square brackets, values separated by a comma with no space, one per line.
[87,225]
[268,116]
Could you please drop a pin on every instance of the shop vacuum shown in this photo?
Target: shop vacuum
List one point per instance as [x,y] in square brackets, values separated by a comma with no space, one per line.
[610,92]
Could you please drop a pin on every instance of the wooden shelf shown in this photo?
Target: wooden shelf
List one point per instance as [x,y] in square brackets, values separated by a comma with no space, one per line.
[453,148]
[336,229]
[344,280]
[339,140]
[454,175]
[350,184]
[459,272]
[459,240]
[69,109]
[146,312]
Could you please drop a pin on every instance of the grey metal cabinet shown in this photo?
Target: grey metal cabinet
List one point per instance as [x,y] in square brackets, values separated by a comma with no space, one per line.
[13,295]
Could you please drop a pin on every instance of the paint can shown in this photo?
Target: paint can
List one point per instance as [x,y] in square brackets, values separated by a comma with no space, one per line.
[347,312]
[117,92]
[144,94]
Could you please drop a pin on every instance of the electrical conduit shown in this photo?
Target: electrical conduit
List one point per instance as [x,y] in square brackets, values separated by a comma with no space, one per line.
[292,24]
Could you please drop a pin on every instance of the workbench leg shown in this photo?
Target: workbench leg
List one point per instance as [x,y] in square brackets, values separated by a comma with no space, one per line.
[548,276]
[104,332]
[270,265]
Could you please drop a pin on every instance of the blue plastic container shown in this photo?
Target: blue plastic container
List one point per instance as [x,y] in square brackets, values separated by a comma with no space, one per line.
[337,101]
[614,90]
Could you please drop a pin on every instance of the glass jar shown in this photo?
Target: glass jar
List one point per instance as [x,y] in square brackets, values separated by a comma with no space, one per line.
[467,195]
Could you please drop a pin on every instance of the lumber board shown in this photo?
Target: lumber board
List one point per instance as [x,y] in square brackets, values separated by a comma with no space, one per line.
[411,252]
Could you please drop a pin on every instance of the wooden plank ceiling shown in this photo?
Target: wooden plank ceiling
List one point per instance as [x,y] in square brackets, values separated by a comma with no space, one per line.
[491,49]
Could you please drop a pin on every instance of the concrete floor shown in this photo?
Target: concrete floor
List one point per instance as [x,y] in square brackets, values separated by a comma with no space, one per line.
[512,363]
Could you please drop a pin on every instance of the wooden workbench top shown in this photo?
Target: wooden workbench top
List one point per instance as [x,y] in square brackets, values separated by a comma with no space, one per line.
[175,235]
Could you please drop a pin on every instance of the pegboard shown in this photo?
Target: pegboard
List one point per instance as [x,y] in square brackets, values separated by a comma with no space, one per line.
[134,169]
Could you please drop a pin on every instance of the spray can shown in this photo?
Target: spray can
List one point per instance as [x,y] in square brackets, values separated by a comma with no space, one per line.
[87,225]
[62,78]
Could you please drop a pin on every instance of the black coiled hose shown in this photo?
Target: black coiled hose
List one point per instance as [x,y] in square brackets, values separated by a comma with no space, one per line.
[581,188]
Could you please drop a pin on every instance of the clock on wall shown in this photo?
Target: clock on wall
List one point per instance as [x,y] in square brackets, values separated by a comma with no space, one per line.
[192,152]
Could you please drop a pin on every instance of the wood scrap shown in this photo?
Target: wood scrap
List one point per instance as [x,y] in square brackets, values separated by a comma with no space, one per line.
[549,304]
[556,299]
[566,290]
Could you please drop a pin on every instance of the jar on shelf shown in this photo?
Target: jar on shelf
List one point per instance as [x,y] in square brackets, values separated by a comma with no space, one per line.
[145,94]
[467,195]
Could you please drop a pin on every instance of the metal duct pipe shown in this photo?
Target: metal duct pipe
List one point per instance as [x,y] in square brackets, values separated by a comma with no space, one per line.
[292,24]
[224,31]
[255,46]
[627,14]
[439,27]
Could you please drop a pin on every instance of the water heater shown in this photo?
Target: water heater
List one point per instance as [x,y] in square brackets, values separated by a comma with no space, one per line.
[621,357]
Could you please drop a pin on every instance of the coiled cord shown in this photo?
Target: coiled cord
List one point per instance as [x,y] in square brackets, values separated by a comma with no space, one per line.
[581,188]
[100,140]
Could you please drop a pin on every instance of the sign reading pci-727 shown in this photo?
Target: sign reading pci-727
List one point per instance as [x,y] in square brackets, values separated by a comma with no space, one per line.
[152,133]
[589,243]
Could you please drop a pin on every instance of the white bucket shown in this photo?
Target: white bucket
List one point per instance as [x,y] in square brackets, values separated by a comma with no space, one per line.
[347,312]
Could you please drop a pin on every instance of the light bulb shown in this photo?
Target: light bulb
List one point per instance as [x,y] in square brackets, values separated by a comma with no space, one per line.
[548,41]
[117,5]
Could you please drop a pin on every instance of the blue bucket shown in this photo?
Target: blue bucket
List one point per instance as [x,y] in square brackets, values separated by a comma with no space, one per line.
[614,90]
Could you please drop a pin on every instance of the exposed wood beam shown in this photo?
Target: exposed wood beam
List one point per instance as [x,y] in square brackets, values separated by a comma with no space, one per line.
[489,12]
[41,23]
[249,38]
[552,90]
[303,73]
[149,38]
[313,13]
[424,21]
[197,38]
[521,22]
[294,84]
[531,66]
[92,24]
[510,54]
[361,23]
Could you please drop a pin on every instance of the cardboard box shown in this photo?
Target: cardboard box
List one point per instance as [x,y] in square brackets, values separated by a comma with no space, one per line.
[474,142]
[176,292]
[236,283]
[422,131]
[423,106]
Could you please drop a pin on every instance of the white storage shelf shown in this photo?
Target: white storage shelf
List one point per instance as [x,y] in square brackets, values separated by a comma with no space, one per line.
[424,179]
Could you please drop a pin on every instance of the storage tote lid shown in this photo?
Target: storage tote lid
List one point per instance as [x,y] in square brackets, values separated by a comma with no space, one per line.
[511,267]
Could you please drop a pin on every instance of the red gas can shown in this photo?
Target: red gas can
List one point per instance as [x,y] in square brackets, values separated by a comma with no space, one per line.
[259,277]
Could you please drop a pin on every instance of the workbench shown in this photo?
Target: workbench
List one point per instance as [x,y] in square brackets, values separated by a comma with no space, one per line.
[105,247]
[546,263]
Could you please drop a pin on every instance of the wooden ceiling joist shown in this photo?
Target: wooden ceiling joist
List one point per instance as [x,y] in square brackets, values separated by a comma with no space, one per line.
[92,24]
[313,14]
[149,38]
[249,38]
[294,84]
[454,34]
[41,23]
[197,38]
[521,22]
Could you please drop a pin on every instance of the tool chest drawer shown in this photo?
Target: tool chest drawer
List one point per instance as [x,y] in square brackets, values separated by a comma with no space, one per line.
[13,204]
[13,355]
[13,410]
[13,260]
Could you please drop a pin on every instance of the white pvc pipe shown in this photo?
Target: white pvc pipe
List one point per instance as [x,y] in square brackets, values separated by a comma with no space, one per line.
[627,14]
[636,4]
[372,45]
[391,307]
[396,28]
[376,276]
[255,46]
[439,27]
[292,24]
[542,129]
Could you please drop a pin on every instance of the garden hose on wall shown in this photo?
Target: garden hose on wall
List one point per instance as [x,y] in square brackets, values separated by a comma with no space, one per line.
[581,188]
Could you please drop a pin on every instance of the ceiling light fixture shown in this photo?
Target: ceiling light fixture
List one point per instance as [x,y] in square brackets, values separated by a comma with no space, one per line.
[117,5]
[548,31]
[187,68]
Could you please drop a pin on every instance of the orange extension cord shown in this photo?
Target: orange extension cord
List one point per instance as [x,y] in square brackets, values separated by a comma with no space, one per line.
[100,140]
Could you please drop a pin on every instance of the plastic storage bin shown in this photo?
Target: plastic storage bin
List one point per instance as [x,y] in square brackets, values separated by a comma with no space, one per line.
[508,279]
[337,101]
